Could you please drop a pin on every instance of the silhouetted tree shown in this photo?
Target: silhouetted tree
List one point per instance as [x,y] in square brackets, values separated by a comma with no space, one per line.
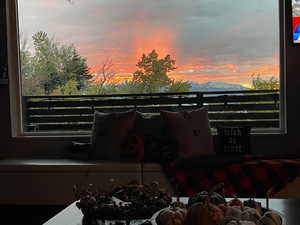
[152,72]
[258,83]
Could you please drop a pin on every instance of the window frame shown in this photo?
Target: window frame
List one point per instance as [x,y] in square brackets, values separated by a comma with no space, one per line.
[15,84]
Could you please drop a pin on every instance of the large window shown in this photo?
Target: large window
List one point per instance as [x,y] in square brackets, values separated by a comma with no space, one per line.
[75,51]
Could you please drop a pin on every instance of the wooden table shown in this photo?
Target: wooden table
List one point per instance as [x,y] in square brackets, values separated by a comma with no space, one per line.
[289,208]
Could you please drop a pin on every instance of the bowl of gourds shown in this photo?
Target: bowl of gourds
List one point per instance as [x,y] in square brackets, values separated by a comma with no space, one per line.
[211,208]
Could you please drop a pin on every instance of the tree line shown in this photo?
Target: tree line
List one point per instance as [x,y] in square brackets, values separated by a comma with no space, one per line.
[52,68]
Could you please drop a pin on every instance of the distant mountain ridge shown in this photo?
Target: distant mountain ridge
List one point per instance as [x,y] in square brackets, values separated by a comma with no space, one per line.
[217,86]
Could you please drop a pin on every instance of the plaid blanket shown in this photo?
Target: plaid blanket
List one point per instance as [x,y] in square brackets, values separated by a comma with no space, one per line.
[243,177]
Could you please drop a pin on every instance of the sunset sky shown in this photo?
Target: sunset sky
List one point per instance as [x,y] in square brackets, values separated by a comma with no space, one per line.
[211,40]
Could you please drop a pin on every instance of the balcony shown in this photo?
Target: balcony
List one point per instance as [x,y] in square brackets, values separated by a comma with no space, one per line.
[259,109]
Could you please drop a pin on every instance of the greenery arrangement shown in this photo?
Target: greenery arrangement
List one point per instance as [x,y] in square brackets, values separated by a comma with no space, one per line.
[134,201]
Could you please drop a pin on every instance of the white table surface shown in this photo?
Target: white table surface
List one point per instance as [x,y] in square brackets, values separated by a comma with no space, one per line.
[71,215]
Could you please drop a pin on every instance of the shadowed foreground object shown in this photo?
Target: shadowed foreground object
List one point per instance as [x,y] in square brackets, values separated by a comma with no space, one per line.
[28,214]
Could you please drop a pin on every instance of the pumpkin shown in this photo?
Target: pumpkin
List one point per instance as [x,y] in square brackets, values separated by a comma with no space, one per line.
[215,197]
[253,204]
[88,201]
[232,211]
[240,213]
[171,216]
[240,222]
[270,218]
[204,213]
[235,201]
[179,204]
[250,214]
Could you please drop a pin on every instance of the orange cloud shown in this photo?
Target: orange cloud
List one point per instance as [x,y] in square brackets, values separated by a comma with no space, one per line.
[230,73]
[145,38]
[160,40]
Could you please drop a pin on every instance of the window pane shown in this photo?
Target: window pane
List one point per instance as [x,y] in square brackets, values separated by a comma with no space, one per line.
[96,47]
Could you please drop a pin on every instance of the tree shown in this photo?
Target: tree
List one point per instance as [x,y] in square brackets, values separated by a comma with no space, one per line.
[29,84]
[257,83]
[73,67]
[179,86]
[152,72]
[130,87]
[52,66]
[70,88]
[103,80]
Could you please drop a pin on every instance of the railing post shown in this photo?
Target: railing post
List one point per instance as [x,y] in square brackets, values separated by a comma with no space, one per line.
[199,99]
[225,100]
[25,113]
[276,99]
[135,103]
[180,97]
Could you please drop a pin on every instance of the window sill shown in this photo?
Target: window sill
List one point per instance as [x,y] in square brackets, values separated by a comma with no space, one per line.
[65,165]
[72,135]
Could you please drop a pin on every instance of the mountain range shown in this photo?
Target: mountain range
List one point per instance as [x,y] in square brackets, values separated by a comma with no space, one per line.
[216,86]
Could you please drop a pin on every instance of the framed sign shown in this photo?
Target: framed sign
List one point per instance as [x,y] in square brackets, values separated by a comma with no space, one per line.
[234,140]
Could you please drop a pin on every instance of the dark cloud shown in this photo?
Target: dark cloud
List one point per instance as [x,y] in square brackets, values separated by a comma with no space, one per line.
[231,31]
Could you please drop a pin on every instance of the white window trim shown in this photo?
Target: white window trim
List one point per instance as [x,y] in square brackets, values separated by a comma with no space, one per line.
[15,79]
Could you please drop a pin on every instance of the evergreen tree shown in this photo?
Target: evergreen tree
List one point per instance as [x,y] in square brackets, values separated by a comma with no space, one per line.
[52,66]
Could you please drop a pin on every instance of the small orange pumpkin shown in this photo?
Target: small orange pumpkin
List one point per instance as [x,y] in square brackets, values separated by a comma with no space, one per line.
[204,213]
[235,202]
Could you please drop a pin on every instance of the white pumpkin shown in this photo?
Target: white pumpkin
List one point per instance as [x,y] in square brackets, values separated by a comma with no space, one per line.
[241,213]
[250,214]
[233,212]
[240,222]
[270,218]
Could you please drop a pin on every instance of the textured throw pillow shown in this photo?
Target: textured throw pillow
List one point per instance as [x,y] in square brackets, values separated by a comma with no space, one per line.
[133,149]
[234,140]
[190,131]
[153,132]
[109,134]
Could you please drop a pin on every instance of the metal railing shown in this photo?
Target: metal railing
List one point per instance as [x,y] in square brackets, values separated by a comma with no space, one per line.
[227,108]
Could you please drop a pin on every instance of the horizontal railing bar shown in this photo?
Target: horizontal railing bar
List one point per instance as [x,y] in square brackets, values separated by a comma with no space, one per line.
[211,108]
[245,116]
[155,94]
[112,102]
[61,127]
[241,98]
[154,101]
[242,107]
[258,124]
[214,116]
[78,127]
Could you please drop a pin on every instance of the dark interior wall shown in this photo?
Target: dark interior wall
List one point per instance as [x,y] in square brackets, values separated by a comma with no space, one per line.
[54,147]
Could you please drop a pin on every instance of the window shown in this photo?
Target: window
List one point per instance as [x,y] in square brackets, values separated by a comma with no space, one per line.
[74,56]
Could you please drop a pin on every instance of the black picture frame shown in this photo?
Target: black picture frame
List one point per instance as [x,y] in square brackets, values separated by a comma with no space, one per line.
[234,140]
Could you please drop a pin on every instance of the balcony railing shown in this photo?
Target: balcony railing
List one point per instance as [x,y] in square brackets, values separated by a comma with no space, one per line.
[75,113]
